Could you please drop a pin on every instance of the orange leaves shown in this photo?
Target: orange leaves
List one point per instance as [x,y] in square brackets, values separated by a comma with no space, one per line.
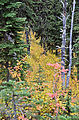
[73,100]
[28,73]
[53,80]
[21,70]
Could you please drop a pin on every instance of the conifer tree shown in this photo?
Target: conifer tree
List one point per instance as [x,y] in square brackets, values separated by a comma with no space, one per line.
[76,38]
[15,98]
[48,23]
[11,46]
[26,10]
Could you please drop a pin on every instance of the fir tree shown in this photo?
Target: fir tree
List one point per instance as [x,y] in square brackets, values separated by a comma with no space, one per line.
[48,23]
[11,46]
[76,38]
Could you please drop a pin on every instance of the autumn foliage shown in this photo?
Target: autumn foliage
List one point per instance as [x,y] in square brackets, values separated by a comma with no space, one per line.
[42,87]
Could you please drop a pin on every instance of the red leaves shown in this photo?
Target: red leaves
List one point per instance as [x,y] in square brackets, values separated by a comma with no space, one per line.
[22,118]
[64,70]
[63,108]
[52,95]
[56,65]
[72,100]
[50,64]
[57,104]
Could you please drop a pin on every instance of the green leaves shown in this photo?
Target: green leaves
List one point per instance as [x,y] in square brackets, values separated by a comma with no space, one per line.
[48,23]
[11,45]
[2,2]
[14,5]
[11,14]
[3,30]
[12,94]
[5,45]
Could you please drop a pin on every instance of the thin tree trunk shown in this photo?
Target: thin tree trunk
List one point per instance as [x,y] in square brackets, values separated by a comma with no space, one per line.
[44,45]
[7,66]
[63,44]
[54,93]
[70,46]
[15,117]
[28,43]
[78,73]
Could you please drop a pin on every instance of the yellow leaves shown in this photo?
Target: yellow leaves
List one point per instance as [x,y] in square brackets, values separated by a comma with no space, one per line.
[73,113]
[36,57]
[72,104]
[14,75]
[19,79]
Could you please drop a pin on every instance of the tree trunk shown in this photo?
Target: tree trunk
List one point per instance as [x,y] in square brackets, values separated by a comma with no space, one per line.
[7,66]
[44,45]
[28,43]
[70,46]
[63,44]
[78,72]
[15,117]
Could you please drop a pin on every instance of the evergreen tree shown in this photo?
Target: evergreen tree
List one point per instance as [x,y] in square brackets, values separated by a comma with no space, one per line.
[15,98]
[26,10]
[48,23]
[11,46]
[76,38]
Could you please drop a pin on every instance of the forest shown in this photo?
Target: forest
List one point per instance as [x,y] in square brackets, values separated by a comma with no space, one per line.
[39,59]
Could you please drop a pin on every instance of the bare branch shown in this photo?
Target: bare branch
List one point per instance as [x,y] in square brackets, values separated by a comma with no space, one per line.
[60,18]
[62,2]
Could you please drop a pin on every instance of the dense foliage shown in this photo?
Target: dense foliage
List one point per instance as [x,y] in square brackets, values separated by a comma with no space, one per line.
[31,84]
[11,46]
[48,24]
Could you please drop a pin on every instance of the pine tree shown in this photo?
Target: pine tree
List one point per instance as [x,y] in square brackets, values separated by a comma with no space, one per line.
[26,10]
[11,46]
[48,23]
[76,38]
[15,99]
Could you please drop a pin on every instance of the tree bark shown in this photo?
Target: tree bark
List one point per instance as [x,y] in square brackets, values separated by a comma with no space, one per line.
[63,44]
[15,117]
[78,73]
[7,66]
[70,46]
[44,45]
[28,43]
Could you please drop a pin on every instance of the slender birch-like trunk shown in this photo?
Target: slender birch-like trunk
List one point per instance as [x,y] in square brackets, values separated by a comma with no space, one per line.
[63,44]
[70,46]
